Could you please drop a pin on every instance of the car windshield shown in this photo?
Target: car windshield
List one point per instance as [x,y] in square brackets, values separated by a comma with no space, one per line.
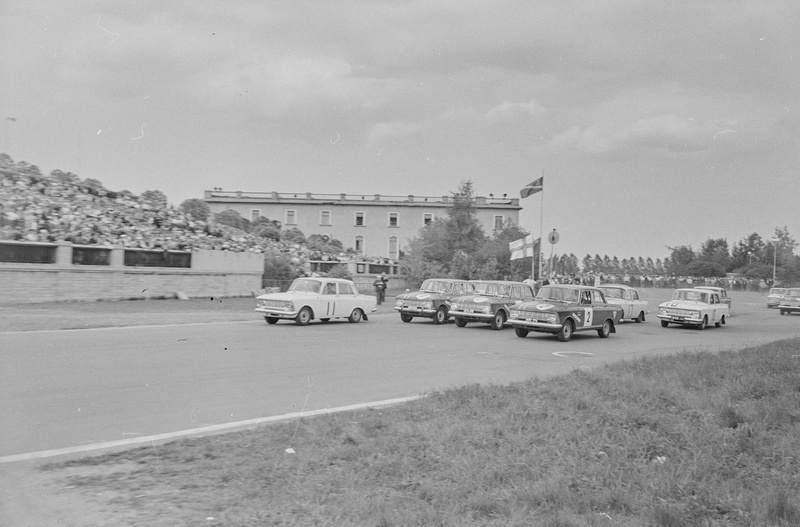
[436,286]
[693,296]
[306,285]
[486,288]
[613,292]
[563,294]
[777,291]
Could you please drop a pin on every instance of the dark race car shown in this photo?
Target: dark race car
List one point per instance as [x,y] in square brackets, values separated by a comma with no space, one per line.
[432,299]
[490,304]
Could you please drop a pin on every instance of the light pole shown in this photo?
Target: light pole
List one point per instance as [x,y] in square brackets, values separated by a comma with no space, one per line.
[774,258]
[750,254]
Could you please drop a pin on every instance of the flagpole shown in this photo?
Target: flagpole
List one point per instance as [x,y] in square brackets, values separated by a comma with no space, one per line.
[541,222]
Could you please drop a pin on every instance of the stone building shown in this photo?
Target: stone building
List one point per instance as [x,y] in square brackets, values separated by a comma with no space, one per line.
[372,224]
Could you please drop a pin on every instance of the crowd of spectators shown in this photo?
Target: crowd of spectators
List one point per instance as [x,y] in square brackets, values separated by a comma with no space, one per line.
[60,207]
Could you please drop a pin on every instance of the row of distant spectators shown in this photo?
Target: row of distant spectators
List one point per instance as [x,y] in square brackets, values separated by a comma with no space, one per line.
[729,283]
[60,207]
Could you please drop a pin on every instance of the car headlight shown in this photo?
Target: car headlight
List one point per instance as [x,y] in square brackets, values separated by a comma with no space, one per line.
[552,318]
[427,305]
[513,315]
[398,303]
[487,309]
[662,310]
[695,314]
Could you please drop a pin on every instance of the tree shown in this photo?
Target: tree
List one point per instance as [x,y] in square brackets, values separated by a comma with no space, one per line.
[196,208]
[463,228]
[155,198]
[494,256]
[294,235]
[679,260]
[266,229]
[748,251]
[231,218]
[278,267]
[715,251]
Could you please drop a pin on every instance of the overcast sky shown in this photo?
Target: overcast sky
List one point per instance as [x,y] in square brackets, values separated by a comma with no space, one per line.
[654,123]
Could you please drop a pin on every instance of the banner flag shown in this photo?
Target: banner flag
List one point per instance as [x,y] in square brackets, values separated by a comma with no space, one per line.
[525,247]
[532,188]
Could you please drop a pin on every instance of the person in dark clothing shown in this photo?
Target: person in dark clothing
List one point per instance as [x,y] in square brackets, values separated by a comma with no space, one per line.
[380,288]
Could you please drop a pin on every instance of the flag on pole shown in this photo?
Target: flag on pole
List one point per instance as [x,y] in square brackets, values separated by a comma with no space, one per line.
[524,247]
[532,188]
[11,119]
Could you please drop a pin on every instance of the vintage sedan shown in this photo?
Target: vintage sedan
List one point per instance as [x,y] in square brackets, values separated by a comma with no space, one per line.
[432,300]
[490,303]
[723,294]
[694,307]
[790,303]
[319,298]
[774,297]
[564,309]
[628,299]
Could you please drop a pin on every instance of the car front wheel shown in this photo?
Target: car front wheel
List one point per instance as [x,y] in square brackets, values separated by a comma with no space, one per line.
[521,332]
[565,333]
[440,317]
[703,324]
[303,317]
[664,323]
[460,322]
[271,320]
[405,318]
[498,320]
[605,331]
[355,316]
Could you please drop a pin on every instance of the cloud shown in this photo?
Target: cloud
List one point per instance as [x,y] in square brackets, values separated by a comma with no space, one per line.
[510,110]
[386,131]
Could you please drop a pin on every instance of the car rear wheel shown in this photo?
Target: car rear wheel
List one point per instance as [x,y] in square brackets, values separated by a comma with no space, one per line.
[664,323]
[440,317]
[521,332]
[720,323]
[460,322]
[640,318]
[271,320]
[783,312]
[605,330]
[303,317]
[498,320]
[565,333]
[405,318]
[355,316]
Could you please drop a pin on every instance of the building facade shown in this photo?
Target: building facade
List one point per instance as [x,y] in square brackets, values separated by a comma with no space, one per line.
[371,224]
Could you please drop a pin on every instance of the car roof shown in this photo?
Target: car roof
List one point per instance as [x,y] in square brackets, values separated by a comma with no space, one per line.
[713,288]
[447,279]
[621,286]
[505,282]
[325,278]
[573,286]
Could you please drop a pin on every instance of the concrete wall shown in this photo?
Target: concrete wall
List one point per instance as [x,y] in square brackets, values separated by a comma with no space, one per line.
[223,274]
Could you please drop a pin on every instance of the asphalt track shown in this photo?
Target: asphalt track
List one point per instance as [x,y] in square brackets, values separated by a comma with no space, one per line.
[76,390]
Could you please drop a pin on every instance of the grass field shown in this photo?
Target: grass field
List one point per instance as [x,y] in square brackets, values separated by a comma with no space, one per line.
[691,439]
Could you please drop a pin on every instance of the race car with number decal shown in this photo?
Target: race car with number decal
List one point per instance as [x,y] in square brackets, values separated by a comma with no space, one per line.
[790,303]
[432,300]
[490,304]
[564,309]
[627,298]
[694,307]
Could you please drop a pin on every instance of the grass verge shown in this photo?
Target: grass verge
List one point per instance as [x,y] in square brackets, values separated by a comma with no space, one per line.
[689,439]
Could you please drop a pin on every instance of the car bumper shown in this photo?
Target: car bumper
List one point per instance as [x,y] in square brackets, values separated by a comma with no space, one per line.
[276,313]
[535,325]
[789,309]
[472,317]
[681,320]
[416,311]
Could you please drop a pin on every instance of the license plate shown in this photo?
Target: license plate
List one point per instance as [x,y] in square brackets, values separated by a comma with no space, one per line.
[679,319]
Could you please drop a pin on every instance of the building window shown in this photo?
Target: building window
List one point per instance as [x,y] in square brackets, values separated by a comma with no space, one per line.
[359,219]
[393,248]
[393,219]
[325,217]
[291,217]
[360,245]
[427,218]
[254,215]
[499,219]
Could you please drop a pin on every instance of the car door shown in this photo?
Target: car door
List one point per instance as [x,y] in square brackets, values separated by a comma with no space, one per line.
[586,306]
[602,309]
[328,301]
[346,301]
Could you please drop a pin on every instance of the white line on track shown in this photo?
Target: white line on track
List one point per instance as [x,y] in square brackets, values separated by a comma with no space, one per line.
[143,326]
[199,431]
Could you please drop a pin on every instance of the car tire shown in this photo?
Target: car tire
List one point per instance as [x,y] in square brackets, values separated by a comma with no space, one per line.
[720,323]
[405,318]
[703,324]
[440,317]
[303,317]
[640,318]
[271,320]
[499,320]
[605,330]
[324,320]
[565,333]
[521,332]
[460,322]
[783,312]
[355,316]
[664,323]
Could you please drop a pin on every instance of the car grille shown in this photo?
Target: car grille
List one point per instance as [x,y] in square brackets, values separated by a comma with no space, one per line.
[680,312]
[413,303]
[273,303]
[533,316]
